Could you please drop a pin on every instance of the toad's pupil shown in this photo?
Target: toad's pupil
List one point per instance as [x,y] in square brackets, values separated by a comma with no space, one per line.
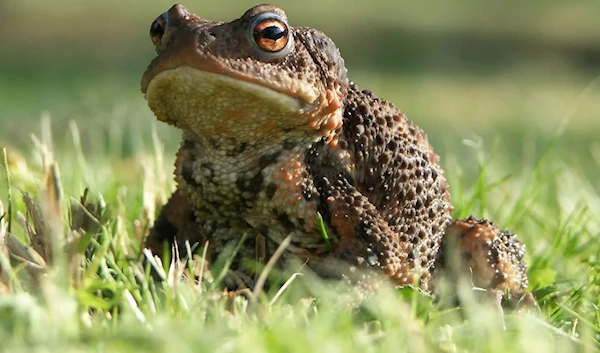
[273,32]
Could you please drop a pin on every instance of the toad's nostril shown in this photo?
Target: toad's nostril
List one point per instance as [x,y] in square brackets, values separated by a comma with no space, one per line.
[157,29]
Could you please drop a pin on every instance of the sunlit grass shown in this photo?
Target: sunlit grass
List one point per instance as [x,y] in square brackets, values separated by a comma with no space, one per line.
[87,287]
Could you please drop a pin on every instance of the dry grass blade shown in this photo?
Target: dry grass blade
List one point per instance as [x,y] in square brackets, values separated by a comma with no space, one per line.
[268,267]
[33,259]
[47,216]
[74,258]
[52,205]
[203,266]
[84,214]
[3,229]
[52,210]
[5,284]
[43,225]
[38,235]
[8,182]
[32,276]
[85,219]
[175,268]
[156,263]
[281,290]
[24,252]
[21,255]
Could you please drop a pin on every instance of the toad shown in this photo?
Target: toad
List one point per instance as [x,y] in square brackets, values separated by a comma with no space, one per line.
[280,146]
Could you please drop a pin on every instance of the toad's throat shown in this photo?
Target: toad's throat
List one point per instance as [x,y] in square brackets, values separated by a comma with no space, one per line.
[208,104]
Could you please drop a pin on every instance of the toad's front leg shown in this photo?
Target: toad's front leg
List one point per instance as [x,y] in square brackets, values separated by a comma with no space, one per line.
[367,241]
[176,223]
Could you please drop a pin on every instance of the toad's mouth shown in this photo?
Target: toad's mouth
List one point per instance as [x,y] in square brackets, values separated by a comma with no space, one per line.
[284,85]
[212,105]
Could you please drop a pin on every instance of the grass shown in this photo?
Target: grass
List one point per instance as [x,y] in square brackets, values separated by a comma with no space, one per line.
[80,283]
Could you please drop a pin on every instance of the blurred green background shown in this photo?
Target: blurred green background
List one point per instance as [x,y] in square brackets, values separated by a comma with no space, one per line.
[510,71]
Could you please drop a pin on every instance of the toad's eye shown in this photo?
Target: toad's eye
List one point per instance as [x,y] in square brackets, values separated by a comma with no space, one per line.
[157,29]
[270,33]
